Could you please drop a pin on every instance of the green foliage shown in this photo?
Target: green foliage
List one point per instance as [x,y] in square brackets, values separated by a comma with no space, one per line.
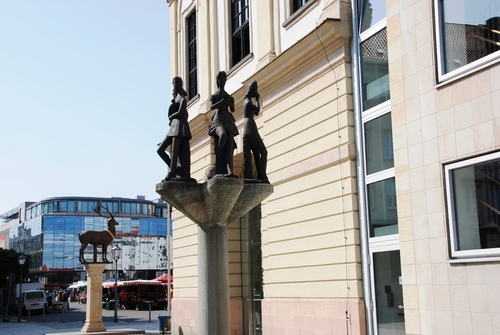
[9,264]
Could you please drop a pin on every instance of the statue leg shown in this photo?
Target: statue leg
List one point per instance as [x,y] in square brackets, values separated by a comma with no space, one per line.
[256,158]
[229,155]
[220,140]
[161,150]
[247,160]
[261,152]
[82,249]
[185,158]
[174,155]
[95,253]
[104,253]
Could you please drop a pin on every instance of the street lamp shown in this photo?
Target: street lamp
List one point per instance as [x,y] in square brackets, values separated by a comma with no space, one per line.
[116,251]
[21,259]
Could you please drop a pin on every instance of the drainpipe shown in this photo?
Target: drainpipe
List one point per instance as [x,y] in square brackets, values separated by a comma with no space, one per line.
[358,128]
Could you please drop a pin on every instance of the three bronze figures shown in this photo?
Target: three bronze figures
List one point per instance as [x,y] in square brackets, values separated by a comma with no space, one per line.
[222,129]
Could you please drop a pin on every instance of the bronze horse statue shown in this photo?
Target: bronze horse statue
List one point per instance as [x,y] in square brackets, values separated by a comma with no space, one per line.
[96,238]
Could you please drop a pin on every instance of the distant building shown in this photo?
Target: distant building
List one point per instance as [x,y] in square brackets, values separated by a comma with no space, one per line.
[47,230]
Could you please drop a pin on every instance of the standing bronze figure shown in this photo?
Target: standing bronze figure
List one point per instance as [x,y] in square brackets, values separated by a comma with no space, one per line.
[178,136]
[252,142]
[223,128]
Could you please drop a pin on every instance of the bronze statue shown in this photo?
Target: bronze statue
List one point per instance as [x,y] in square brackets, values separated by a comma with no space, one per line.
[223,128]
[178,136]
[96,238]
[252,142]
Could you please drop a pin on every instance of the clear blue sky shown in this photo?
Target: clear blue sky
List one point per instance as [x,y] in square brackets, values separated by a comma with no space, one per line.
[84,92]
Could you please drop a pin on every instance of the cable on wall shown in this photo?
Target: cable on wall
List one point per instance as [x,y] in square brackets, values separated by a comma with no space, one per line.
[346,239]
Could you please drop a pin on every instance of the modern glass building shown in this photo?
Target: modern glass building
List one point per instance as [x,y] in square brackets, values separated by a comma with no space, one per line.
[48,231]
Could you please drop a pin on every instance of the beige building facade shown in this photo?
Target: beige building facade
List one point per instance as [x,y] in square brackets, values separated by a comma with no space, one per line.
[381,124]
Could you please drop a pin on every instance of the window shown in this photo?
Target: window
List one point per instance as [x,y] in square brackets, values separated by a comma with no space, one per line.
[378,144]
[240,29]
[375,70]
[373,11]
[192,83]
[252,292]
[127,208]
[388,149]
[473,195]
[71,206]
[382,208]
[63,206]
[467,34]
[297,4]
[48,207]
[111,206]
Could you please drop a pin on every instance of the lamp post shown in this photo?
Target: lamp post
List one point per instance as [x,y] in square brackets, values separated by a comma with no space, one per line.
[116,251]
[21,259]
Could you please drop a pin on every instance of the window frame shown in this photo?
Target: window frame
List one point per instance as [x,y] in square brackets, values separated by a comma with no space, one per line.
[239,31]
[293,10]
[451,215]
[191,72]
[293,16]
[440,54]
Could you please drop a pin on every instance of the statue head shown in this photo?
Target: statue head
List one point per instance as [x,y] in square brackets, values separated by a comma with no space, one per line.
[177,83]
[221,79]
[252,89]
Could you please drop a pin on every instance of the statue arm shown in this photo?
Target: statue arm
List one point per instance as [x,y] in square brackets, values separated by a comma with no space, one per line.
[182,107]
[231,104]
[256,107]
[226,98]
[217,104]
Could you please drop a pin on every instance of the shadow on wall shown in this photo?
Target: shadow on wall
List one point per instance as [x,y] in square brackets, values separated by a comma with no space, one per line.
[180,331]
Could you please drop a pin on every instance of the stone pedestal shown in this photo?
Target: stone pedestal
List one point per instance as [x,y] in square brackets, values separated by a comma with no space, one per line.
[213,205]
[93,319]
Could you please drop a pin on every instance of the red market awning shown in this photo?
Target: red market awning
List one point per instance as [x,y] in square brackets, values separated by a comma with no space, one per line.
[138,282]
[164,278]
[110,284]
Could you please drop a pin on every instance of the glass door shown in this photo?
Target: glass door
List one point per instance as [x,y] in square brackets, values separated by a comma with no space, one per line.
[388,293]
[251,272]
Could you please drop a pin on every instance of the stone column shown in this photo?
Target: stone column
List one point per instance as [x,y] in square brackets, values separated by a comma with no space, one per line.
[93,319]
[213,281]
[213,205]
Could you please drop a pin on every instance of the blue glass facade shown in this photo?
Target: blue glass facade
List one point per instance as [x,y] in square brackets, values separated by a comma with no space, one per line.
[49,233]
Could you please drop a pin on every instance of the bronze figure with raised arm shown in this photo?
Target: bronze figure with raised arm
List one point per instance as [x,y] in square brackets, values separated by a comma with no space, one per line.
[252,142]
[223,128]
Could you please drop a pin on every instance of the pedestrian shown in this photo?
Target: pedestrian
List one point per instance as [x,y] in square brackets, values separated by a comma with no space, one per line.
[65,299]
[123,299]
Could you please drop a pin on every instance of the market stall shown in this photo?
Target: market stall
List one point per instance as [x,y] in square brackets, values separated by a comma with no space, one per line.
[78,291]
[137,294]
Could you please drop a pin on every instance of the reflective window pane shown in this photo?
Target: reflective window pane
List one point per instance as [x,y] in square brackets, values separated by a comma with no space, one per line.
[470,31]
[378,144]
[375,70]
[382,208]
[372,12]
[63,206]
[476,205]
[388,293]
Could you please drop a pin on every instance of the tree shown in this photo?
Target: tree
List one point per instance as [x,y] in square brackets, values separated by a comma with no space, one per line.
[10,265]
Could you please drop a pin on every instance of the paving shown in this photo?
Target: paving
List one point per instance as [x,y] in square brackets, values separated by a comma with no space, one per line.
[71,322]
